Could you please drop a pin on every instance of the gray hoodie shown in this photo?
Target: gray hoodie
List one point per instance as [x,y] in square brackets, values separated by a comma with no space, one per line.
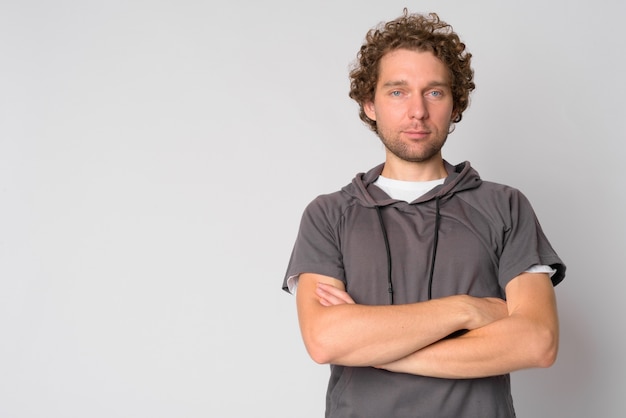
[466,236]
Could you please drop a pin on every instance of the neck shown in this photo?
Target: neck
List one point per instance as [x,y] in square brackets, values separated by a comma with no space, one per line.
[432,169]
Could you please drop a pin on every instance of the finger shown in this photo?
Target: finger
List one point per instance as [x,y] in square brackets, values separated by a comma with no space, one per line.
[327,298]
[338,293]
[339,298]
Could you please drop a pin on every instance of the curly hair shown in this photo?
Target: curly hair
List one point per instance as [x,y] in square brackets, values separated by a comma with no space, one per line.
[414,32]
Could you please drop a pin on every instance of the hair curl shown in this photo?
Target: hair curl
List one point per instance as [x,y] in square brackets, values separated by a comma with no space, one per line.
[414,32]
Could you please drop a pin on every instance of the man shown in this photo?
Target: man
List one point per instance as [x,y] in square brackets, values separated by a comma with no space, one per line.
[422,285]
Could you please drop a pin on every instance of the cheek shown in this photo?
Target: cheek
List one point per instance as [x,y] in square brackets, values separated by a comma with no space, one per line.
[442,113]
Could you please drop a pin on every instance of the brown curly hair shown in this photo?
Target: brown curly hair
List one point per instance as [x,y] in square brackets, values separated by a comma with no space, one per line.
[415,32]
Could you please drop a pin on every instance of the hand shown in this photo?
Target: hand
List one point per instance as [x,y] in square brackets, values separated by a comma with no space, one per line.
[331,296]
[486,310]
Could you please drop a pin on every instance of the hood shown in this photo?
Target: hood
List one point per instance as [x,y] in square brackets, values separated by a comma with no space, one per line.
[460,177]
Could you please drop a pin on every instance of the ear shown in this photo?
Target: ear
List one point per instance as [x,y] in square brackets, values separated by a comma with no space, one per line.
[455,113]
[369,110]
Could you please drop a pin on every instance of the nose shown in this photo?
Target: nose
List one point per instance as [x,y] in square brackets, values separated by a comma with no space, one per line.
[418,108]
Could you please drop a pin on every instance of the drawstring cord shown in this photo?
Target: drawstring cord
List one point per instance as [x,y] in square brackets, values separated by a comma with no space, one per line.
[434,256]
[384,230]
[432,260]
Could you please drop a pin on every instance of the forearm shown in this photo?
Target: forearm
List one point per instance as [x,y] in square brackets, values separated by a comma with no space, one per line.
[337,330]
[361,335]
[504,346]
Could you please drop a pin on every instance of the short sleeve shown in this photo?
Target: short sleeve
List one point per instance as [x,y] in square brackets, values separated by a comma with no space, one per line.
[317,247]
[526,244]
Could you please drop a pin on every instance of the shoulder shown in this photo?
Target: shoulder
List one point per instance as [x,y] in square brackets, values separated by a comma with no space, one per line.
[496,192]
[494,187]
[352,197]
[330,206]
[497,201]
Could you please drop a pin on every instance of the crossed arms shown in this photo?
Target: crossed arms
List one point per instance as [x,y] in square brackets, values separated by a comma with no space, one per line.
[503,336]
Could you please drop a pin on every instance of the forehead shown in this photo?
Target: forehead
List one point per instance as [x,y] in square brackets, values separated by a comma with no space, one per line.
[412,66]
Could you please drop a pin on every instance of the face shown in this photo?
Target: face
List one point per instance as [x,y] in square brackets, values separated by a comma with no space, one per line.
[412,105]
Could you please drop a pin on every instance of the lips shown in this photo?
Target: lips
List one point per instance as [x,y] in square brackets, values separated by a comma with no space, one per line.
[417,133]
[417,130]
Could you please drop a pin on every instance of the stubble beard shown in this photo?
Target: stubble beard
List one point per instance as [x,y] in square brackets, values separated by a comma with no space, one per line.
[413,151]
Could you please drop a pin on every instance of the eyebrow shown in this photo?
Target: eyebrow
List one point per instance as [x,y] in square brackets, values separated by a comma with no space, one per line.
[395,83]
[403,83]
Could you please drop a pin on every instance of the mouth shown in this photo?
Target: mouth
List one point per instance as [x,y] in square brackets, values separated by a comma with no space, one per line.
[416,133]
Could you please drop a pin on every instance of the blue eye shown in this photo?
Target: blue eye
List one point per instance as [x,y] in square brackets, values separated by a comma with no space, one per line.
[395,93]
[435,93]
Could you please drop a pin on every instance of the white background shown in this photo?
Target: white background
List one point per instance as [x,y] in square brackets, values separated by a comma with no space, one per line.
[156,156]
